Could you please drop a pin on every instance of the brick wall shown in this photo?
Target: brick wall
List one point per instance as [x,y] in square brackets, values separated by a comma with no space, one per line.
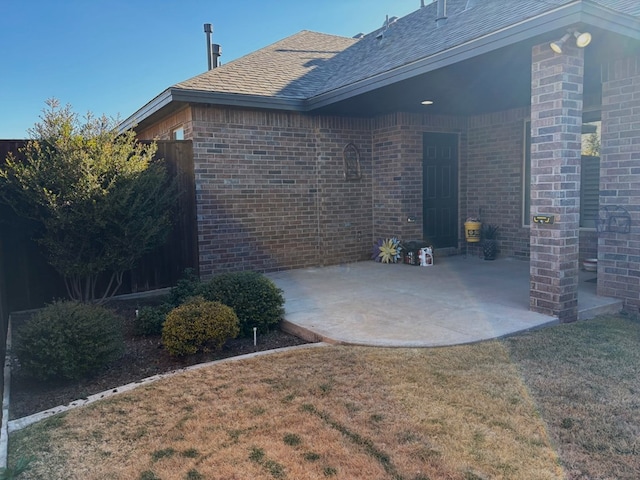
[619,253]
[556,121]
[494,176]
[389,216]
[345,215]
[271,192]
[495,188]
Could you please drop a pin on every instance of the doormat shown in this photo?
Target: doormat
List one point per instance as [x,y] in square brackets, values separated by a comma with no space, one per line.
[592,280]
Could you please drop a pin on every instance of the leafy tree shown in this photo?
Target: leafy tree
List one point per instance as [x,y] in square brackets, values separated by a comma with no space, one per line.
[592,145]
[97,197]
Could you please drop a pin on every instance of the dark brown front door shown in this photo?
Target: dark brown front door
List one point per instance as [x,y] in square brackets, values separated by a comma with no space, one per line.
[440,189]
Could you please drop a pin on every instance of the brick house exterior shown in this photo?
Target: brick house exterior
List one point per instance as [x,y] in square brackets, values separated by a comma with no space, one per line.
[619,253]
[269,143]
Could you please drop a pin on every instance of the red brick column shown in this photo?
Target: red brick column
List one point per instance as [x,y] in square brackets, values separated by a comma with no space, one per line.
[556,122]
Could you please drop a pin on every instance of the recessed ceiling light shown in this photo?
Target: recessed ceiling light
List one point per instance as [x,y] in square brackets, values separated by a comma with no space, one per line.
[427,102]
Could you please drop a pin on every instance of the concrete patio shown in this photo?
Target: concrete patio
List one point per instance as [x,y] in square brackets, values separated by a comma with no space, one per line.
[460,299]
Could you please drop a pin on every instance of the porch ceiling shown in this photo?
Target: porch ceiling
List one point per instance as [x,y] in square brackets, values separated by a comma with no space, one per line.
[494,81]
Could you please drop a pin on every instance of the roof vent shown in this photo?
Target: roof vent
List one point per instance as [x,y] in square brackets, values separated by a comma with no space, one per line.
[389,21]
[213,50]
[441,16]
[358,35]
[216,52]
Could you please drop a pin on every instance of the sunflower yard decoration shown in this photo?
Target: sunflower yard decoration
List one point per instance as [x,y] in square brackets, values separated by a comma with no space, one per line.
[387,250]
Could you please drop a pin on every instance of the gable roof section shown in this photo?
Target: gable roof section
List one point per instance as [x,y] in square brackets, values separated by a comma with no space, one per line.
[276,70]
[311,70]
[417,36]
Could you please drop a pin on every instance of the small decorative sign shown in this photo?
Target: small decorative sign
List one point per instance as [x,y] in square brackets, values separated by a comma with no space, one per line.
[613,219]
[544,219]
[351,157]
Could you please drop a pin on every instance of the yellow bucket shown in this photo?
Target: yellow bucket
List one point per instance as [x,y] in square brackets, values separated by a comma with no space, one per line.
[472,231]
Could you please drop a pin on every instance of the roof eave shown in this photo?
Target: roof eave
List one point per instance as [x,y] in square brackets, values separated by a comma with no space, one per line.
[548,22]
[606,19]
[185,96]
[155,105]
[236,99]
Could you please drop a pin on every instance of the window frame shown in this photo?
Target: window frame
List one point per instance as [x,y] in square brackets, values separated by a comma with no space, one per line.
[177,133]
[588,117]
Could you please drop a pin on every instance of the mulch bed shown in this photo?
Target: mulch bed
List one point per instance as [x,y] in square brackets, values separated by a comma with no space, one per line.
[143,357]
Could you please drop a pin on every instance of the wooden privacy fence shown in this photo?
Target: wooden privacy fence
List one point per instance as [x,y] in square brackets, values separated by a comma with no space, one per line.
[29,282]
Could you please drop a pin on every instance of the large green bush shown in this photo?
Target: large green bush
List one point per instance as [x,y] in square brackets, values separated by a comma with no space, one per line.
[69,340]
[99,199]
[197,325]
[255,299]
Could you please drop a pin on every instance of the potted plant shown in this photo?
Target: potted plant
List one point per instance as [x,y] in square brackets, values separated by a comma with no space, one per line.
[490,241]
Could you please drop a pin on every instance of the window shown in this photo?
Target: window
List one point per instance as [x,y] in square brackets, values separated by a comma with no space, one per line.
[589,171]
[178,134]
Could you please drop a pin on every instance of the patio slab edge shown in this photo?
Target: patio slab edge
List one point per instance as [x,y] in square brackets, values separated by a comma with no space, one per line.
[311,335]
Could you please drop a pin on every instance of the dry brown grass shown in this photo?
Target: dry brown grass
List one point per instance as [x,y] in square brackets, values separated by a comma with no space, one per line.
[585,379]
[335,412]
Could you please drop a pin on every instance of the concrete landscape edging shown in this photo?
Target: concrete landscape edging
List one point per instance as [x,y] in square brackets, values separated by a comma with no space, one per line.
[10,426]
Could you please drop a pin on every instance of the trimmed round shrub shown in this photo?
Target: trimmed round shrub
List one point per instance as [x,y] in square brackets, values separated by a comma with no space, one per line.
[69,340]
[255,299]
[150,320]
[197,325]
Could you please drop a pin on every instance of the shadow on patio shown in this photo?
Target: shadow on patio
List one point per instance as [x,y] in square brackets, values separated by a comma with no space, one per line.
[458,300]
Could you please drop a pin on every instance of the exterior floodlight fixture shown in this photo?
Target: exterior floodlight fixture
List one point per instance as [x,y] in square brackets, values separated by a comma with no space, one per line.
[557,45]
[582,40]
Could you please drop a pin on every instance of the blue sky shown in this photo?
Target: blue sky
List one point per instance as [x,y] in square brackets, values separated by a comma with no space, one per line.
[111,57]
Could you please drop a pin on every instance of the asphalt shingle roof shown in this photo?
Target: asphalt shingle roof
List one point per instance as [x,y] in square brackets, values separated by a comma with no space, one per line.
[309,64]
[276,70]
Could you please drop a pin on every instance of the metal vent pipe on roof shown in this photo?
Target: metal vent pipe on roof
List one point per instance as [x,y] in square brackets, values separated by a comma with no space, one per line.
[441,16]
[216,53]
[208,29]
